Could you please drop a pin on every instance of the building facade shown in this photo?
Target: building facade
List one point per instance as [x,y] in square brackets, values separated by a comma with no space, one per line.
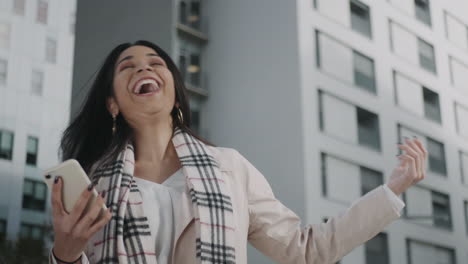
[36,57]
[316,94]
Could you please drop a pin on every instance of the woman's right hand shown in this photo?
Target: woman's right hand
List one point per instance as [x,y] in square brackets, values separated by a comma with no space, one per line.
[73,230]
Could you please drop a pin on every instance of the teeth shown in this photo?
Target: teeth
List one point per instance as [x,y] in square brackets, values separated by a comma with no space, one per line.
[154,85]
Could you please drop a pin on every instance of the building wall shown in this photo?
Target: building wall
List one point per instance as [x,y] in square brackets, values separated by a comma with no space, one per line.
[399,104]
[26,114]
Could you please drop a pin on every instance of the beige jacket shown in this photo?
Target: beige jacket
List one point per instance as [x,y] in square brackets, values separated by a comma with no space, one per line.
[275,230]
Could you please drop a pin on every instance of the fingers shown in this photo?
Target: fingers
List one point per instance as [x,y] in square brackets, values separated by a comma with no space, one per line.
[80,205]
[57,205]
[88,218]
[414,152]
[99,224]
[411,162]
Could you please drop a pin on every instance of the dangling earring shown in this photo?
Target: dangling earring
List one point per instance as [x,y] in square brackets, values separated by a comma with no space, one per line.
[180,115]
[113,125]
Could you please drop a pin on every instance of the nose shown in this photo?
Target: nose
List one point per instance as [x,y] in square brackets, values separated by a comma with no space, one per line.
[147,67]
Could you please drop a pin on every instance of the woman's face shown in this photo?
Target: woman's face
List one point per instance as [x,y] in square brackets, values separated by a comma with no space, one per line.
[143,86]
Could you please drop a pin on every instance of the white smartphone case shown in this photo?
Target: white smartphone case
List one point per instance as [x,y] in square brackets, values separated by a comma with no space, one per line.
[75,181]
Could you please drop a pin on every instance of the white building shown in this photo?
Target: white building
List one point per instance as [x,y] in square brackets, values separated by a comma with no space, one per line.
[316,94]
[36,57]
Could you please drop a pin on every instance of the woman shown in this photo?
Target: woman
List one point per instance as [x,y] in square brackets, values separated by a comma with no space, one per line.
[176,198]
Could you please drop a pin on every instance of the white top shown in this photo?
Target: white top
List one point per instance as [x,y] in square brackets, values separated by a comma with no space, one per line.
[159,201]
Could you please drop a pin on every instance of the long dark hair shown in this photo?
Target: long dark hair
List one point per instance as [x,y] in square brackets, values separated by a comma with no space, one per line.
[89,138]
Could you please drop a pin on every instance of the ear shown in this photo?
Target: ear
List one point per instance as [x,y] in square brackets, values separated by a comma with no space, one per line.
[112,106]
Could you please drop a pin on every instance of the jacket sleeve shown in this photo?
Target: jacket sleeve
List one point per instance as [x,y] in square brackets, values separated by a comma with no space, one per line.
[52,260]
[276,231]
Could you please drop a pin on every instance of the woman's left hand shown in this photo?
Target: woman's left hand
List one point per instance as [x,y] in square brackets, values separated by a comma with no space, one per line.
[412,166]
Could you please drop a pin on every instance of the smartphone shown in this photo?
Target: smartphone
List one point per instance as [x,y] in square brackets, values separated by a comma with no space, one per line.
[75,181]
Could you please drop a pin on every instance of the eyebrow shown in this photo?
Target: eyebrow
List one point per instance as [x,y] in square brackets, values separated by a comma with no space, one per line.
[129,57]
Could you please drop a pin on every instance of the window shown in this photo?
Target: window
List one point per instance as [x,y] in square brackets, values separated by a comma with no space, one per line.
[461,115]
[183,12]
[194,70]
[466,216]
[5,30]
[19,7]
[3,71]
[31,152]
[436,153]
[51,50]
[6,144]
[360,18]
[377,250]
[194,18]
[459,74]
[3,226]
[464,166]
[34,195]
[422,252]
[29,231]
[364,75]
[423,11]
[37,82]
[441,210]
[183,64]
[42,9]
[426,56]
[431,105]
[370,179]
[368,129]
[340,179]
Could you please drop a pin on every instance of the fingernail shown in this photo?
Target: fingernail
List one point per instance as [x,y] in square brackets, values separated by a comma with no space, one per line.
[103,194]
[56,179]
[90,187]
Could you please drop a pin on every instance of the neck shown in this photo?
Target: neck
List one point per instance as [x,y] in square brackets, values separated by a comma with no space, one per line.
[153,142]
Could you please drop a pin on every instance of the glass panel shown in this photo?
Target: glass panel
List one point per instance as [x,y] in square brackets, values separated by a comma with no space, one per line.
[51,50]
[37,80]
[436,153]
[423,12]
[6,144]
[364,72]
[32,145]
[18,6]
[36,233]
[360,18]
[194,17]
[370,179]
[40,192]
[377,250]
[28,187]
[4,35]
[426,56]
[183,12]
[368,129]
[441,209]
[25,231]
[431,105]
[3,71]
[466,216]
[42,8]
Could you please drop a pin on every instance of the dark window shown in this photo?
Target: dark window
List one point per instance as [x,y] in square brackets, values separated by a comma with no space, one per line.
[420,252]
[441,210]
[377,250]
[194,17]
[34,195]
[364,74]
[436,153]
[42,10]
[183,66]
[183,12]
[370,179]
[51,50]
[194,70]
[360,18]
[423,11]
[431,105]
[30,231]
[3,226]
[6,144]
[3,71]
[368,129]
[466,216]
[31,152]
[37,82]
[426,56]
[18,6]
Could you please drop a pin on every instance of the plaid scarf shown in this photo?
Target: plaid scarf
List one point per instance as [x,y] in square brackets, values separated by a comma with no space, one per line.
[127,237]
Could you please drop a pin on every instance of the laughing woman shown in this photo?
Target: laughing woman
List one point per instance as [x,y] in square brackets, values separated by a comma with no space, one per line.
[175,198]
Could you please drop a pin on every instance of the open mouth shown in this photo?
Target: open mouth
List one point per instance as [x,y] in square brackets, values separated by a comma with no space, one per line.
[146,87]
